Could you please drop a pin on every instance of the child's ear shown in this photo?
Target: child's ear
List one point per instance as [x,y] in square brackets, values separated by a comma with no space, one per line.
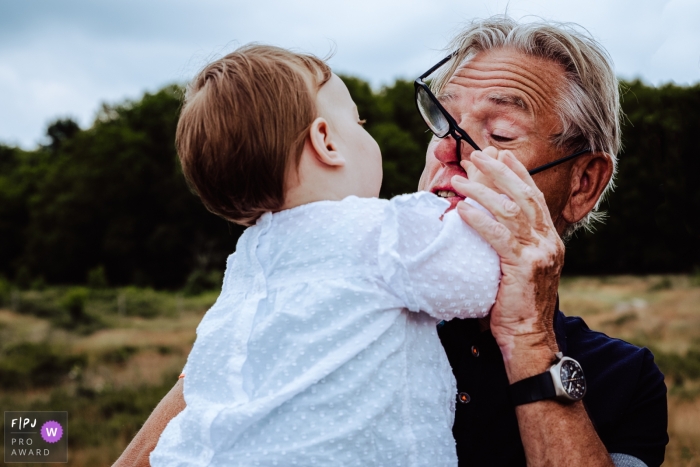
[324,144]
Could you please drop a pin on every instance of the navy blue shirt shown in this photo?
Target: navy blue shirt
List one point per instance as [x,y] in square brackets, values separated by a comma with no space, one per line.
[626,396]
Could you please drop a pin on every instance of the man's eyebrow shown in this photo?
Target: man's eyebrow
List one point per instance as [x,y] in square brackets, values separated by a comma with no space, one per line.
[445,97]
[508,99]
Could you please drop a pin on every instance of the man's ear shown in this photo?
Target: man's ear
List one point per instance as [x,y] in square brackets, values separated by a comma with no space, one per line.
[590,175]
[324,144]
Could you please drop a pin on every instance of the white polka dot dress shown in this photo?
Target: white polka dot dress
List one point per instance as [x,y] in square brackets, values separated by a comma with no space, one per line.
[322,347]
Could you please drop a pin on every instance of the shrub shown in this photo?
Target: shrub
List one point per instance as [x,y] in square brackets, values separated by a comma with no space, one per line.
[76,317]
[97,278]
[200,281]
[100,418]
[38,284]
[664,284]
[695,277]
[74,303]
[679,367]
[5,291]
[43,304]
[30,365]
[143,302]
[23,278]
[119,355]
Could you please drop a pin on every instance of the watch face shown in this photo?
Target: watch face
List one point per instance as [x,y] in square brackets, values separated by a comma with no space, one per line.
[572,379]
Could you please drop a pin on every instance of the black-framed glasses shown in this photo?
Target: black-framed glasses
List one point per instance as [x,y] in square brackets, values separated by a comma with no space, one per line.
[442,124]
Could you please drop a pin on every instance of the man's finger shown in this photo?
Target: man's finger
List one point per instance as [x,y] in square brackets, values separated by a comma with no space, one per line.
[506,181]
[489,151]
[516,166]
[506,211]
[475,174]
[470,169]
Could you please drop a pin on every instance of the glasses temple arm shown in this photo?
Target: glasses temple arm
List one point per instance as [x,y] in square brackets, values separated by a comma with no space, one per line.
[439,64]
[539,169]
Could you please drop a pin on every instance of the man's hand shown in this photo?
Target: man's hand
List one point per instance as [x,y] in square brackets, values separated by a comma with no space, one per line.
[532,255]
[531,252]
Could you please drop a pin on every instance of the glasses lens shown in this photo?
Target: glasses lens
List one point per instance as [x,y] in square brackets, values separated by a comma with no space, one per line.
[432,115]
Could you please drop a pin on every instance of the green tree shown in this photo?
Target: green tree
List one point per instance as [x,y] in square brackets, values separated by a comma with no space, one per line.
[113,195]
[653,224]
[20,173]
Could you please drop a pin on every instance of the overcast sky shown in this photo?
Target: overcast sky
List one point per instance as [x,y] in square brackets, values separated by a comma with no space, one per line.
[62,58]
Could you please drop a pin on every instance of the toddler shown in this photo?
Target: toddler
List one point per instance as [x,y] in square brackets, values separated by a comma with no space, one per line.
[322,347]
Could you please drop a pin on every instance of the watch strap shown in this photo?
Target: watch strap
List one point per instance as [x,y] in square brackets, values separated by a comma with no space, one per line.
[532,389]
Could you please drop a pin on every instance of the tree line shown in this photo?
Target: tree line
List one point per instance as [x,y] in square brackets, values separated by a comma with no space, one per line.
[109,202]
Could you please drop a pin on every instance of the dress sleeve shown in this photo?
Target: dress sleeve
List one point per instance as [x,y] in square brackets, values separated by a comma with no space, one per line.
[434,262]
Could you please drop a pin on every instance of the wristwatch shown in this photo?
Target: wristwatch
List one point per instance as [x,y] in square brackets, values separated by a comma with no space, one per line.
[564,382]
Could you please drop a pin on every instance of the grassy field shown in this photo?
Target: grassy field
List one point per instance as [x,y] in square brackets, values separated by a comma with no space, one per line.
[662,313]
[107,356]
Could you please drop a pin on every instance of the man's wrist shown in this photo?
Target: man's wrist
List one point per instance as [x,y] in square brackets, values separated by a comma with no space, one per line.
[528,356]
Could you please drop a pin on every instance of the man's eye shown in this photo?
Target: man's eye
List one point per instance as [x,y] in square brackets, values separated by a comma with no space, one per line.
[500,139]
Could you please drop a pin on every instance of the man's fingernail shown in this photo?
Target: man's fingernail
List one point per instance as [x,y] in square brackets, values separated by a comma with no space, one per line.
[459,180]
[479,155]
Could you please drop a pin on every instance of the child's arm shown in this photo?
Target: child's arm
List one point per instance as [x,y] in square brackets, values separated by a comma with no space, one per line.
[436,263]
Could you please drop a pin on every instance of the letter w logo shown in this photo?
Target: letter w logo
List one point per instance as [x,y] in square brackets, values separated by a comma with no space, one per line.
[51,431]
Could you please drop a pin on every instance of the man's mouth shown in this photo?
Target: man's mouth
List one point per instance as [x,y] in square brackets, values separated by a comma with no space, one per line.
[445,193]
[449,195]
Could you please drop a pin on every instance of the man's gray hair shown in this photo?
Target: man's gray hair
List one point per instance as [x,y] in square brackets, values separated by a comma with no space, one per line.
[589,104]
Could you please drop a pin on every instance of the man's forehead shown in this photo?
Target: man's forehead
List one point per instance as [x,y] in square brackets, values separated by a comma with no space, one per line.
[507,78]
[497,97]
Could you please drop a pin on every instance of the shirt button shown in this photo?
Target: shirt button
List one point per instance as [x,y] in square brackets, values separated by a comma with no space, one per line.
[475,351]
[464,398]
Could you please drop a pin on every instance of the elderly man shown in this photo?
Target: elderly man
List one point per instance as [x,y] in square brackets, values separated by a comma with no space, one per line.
[540,98]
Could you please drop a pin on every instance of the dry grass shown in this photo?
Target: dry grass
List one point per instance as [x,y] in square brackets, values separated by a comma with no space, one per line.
[662,312]
[132,361]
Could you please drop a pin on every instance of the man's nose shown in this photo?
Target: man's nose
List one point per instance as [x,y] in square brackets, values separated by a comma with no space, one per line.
[446,151]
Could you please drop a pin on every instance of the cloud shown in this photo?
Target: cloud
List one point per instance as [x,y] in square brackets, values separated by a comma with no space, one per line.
[64,58]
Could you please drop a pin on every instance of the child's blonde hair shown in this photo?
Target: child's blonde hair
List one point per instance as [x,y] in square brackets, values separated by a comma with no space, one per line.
[243,125]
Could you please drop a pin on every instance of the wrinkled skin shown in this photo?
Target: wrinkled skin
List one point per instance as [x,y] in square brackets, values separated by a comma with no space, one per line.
[506,102]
